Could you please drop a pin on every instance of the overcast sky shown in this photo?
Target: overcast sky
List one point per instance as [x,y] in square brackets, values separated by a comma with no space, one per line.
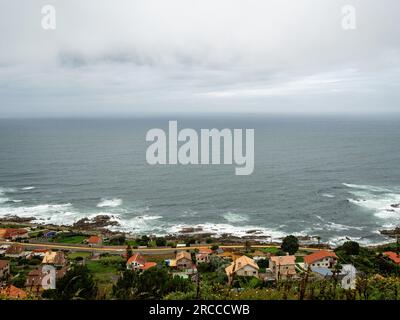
[125,57]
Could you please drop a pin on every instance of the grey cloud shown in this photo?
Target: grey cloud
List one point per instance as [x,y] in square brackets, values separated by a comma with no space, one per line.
[124,57]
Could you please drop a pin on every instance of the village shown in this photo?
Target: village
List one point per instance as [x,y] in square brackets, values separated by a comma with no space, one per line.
[120,267]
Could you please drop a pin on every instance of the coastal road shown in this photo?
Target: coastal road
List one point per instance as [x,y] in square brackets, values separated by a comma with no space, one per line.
[122,249]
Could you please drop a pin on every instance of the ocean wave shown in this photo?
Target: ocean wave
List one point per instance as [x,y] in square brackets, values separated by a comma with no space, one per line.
[327,195]
[3,191]
[367,187]
[5,200]
[143,224]
[332,226]
[27,188]
[219,229]
[338,241]
[45,213]
[234,217]
[110,203]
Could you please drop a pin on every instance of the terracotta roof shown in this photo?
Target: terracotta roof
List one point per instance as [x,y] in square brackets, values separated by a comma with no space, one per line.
[284,260]
[137,257]
[51,257]
[13,292]
[15,249]
[205,251]
[94,240]
[240,263]
[148,265]
[3,263]
[393,256]
[183,254]
[11,232]
[319,255]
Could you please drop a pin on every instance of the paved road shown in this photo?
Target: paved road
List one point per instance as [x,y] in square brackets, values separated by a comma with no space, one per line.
[122,249]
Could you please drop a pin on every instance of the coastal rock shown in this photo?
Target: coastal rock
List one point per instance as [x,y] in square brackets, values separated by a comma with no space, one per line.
[100,221]
[191,229]
[391,233]
[11,218]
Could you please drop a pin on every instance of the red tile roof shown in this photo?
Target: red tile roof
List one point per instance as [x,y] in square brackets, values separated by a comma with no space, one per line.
[143,264]
[94,240]
[137,258]
[13,292]
[148,265]
[8,233]
[393,256]
[319,255]
[3,264]
[205,251]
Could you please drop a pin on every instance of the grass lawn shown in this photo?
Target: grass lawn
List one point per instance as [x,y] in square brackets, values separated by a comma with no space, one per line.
[74,255]
[105,269]
[71,240]
[272,250]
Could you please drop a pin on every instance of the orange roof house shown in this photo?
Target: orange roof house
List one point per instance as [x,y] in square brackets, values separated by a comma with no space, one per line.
[94,240]
[13,292]
[283,266]
[13,233]
[393,256]
[138,262]
[204,255]
[243,266]
[322,258]
[14,251]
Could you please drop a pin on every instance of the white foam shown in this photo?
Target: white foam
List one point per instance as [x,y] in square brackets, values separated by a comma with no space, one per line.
[143,224]
[44,213]
[110,203]
[367,187]
[5,200]
[27,188]
[327,195]
[239,231]
[234,217]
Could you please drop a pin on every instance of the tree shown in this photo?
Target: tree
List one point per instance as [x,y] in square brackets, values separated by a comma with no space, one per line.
[161,242]
[247,246]
[153,283]
[263,263]
[290,244]
[118,240]
[209,240]
[350,248]
[129,252]
[190,241]
[76,284]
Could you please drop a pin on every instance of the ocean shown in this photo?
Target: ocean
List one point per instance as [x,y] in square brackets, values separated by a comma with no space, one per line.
[333,177]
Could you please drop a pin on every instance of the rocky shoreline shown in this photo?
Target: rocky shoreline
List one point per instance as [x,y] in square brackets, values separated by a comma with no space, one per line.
[102,223]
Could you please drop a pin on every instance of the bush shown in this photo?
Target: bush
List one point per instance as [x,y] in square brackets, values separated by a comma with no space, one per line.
[263,263]
[190,241]
[171,244]
[118,240]
[161,242]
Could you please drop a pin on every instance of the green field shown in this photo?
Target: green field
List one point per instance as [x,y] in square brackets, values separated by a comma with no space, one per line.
[70,240]
[74,255]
